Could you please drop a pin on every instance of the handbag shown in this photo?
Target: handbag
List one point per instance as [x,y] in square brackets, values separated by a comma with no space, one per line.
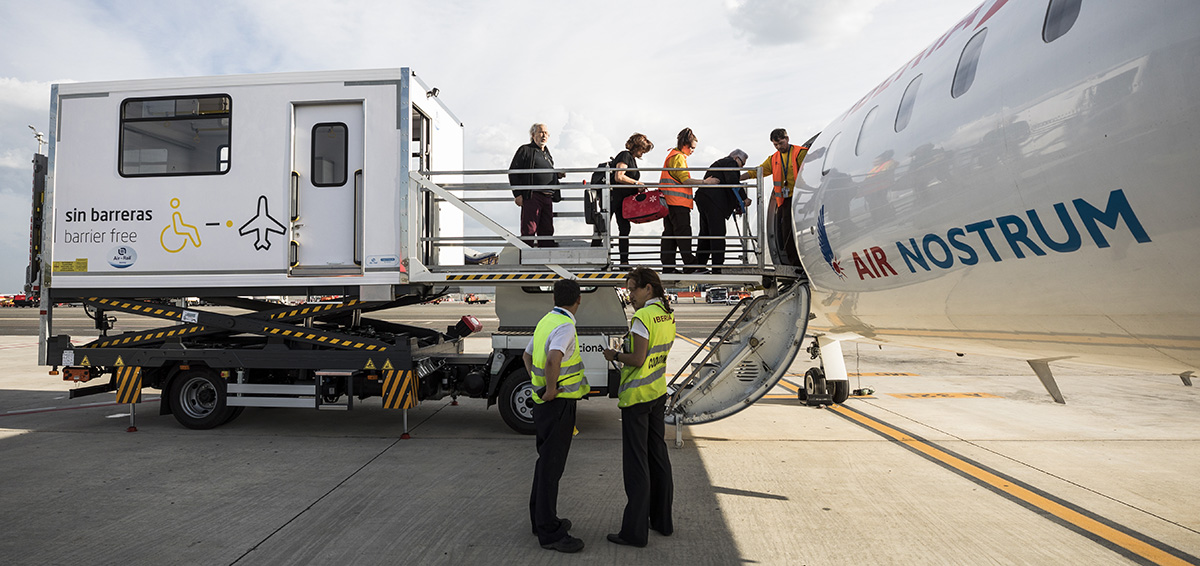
[644,207]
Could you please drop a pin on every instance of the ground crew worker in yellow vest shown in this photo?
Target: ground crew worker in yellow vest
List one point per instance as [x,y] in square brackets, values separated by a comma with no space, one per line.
[677,191]
[783,166]
[642,398]
[556,368]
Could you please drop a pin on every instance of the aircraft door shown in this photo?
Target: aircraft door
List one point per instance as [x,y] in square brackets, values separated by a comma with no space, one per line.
[326,189]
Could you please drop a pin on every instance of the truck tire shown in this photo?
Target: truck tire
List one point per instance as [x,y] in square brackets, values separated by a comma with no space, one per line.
[198,399]
[516,402]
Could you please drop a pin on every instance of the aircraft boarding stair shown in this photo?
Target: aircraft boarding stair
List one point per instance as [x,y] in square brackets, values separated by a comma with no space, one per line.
[744,357]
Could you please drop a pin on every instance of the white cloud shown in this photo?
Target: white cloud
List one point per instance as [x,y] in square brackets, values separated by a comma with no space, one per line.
[814,23]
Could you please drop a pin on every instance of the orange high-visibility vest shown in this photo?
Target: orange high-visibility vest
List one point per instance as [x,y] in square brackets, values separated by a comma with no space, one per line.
[779,172]
[677,194]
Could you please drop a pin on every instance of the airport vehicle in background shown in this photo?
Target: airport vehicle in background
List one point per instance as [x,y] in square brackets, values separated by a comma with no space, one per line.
[22,300]
[735,298]
[473,299]
[716,295]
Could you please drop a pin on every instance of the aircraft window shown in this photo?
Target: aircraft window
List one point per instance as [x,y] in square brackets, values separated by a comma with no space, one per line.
[965,74]
[184,135]
[867,123]
[1060,16]
[829,150]
[904,113]
[330,153]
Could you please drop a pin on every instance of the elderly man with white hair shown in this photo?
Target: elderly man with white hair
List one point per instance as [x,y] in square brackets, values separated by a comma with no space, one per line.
[716,205]
[536,193]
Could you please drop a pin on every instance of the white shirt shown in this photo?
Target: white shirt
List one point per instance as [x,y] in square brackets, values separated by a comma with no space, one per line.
[562,338]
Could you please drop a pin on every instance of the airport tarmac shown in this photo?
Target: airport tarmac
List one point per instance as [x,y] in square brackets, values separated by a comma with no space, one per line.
[953,460]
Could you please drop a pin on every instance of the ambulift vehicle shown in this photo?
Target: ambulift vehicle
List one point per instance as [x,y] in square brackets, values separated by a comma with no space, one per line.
[322,185]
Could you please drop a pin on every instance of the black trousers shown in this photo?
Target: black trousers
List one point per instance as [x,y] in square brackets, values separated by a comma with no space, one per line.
[647,469]
[555,424]
[623,227]
[677,222]
[787,236]
[712,223]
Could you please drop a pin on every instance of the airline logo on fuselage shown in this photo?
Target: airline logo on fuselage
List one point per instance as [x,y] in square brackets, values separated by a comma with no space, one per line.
[970,244]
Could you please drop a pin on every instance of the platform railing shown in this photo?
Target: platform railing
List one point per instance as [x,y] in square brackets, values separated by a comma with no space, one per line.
[585,245]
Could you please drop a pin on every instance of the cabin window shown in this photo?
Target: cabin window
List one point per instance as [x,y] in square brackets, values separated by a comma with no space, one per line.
[187,135]
[904,113]
[964,75]
[330,153]
[1060,16]
[828,151]
[867,123]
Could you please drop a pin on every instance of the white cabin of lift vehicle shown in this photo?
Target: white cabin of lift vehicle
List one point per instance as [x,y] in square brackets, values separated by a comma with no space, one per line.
[272,181]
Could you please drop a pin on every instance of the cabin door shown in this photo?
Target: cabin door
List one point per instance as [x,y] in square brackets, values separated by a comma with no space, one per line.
[326,189]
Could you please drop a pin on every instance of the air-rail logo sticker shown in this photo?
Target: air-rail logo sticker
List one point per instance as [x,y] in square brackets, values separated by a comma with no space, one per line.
[972,243]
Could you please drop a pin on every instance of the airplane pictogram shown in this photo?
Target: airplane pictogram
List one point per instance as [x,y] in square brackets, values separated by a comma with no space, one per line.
[261,226]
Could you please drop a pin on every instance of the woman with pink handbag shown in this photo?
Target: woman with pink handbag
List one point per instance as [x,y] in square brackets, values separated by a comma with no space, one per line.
[627,184]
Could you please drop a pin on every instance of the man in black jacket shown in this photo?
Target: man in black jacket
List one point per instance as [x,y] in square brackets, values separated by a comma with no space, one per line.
[717,204]
[537,204]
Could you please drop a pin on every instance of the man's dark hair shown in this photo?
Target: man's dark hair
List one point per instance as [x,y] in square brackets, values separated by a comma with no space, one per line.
[566,292]
[778,134]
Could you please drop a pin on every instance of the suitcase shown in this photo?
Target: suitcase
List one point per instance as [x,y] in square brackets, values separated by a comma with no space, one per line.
[644,207]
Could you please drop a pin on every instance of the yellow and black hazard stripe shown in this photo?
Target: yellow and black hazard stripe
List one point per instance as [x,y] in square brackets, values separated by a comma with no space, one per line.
[145,309]
[602,276]
[503,277]
[324,338]
[129,384]
[399,389]
[312,310]
[147,336]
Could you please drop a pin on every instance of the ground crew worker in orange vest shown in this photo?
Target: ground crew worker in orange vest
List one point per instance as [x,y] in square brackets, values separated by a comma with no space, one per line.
[783,166]
[677,191]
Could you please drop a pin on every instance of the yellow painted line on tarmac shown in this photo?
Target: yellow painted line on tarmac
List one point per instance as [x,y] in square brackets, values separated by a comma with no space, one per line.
[688,340]
[1121,539]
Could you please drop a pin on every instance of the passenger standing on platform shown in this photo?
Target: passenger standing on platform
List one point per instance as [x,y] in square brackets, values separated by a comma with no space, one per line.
[677,190]
[537,205]
[626,184]
[716,206]
[553,360]
[783,166]
[642,398]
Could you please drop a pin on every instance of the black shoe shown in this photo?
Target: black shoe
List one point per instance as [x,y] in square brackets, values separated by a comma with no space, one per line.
[566,544]
[670,270]
[616,539]
[566,525]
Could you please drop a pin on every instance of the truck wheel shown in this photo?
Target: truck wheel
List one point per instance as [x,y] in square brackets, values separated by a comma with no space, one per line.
[516,402]
[841,390]
[198,399]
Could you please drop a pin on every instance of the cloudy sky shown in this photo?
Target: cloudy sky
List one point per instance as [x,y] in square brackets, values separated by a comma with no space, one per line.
[595,72]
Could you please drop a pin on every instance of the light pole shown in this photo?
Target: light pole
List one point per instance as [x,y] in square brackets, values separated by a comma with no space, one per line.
[41,138]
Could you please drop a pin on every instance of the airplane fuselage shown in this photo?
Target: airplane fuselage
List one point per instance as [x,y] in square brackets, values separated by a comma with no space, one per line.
[1040,204]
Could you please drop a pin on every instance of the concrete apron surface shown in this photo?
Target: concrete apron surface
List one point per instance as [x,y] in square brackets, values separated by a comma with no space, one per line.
[951,461]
